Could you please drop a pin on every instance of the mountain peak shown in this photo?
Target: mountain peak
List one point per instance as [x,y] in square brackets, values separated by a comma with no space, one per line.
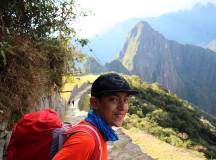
[141,37]
[143,25]
[144,31]
[177,67]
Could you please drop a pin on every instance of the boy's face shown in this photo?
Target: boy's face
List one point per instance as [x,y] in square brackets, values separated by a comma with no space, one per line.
[111,108]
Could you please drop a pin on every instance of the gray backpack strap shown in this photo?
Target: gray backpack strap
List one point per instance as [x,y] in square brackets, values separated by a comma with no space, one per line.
[59,137]
[58,141]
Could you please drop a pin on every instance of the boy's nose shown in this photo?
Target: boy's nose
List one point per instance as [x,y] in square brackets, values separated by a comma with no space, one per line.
[121,104]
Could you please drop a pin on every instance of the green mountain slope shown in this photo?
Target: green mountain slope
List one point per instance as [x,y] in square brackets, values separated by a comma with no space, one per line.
[171,119]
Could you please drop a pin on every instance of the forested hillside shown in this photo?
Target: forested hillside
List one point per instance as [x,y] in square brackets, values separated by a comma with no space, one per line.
[35,52]
[171,119]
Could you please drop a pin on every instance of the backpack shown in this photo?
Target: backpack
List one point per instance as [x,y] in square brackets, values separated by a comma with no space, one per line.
[40,135]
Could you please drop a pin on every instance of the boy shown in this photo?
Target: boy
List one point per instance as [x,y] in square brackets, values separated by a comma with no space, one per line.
[109,104]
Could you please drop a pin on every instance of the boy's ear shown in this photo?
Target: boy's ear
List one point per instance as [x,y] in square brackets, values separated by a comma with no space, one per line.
[94,103]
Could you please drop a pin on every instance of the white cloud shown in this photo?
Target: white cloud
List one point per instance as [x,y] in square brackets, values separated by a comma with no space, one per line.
[109,12]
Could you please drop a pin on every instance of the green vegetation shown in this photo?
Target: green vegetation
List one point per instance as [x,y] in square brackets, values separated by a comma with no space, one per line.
[84,102]
[170,119]
[159,149]
[37,47]
[72,81]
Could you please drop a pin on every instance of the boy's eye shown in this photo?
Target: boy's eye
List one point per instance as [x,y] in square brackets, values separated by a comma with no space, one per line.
[114,99]
[117,99]
[125,100]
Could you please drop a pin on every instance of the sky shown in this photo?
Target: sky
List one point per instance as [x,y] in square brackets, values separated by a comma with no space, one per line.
[106,13]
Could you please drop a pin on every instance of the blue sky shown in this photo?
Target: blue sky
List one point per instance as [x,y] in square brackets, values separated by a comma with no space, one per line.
[106,13]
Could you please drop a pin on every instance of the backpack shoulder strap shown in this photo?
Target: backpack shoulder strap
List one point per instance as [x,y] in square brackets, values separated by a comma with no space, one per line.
[94,133]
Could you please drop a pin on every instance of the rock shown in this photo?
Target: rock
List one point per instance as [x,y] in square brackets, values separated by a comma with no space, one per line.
[124,149]
[133,148]
[2,146]
[4,140]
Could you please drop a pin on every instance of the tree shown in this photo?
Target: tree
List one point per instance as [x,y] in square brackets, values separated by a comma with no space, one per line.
[36,48]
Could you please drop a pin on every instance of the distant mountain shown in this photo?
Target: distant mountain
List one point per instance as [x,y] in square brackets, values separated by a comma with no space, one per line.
[193,26]
[116,66]
[212,45]
[187,70]
[92,66]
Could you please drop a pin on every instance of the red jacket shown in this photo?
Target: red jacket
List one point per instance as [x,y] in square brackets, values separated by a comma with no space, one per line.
[81,146]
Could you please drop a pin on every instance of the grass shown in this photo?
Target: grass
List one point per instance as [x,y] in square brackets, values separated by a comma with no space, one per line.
[84,102]
[72,81]
[161,150]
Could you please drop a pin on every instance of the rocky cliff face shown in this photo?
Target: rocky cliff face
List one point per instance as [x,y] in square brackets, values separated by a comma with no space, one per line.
[186,70]
[150,57]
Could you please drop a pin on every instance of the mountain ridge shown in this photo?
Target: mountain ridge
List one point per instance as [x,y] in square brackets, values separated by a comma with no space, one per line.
[187,70]
[181,26]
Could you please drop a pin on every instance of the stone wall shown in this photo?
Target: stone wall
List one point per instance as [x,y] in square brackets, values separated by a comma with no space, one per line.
[4,139]
[125,149]
[77,89]
[55,101]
